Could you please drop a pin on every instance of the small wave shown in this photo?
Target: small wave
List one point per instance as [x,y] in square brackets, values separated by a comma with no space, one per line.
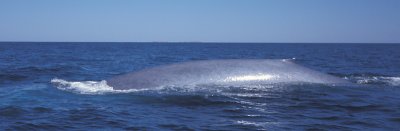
[101,87]
[386,80]
[87,87]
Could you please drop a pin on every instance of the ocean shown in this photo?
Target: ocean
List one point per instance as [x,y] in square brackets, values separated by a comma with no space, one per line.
[29,99]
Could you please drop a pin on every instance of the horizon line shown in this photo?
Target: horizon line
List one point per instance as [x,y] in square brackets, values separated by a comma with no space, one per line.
[200,42]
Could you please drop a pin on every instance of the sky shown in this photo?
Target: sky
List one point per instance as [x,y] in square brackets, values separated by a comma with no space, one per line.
[316,21]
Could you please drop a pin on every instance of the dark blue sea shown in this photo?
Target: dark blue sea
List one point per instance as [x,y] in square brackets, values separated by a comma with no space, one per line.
[29,100]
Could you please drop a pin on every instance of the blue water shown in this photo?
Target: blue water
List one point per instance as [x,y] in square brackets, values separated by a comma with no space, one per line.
[30,101]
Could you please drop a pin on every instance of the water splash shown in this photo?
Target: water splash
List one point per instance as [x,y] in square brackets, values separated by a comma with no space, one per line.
[375,80]
[87,87]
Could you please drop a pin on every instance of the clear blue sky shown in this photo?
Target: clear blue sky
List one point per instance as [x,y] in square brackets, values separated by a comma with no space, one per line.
[372,21]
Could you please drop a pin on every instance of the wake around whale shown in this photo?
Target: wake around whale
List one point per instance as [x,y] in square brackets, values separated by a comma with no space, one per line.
[205,73]
[235,72]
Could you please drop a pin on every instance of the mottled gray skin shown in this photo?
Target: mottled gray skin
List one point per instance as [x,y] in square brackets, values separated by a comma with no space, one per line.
[222,72]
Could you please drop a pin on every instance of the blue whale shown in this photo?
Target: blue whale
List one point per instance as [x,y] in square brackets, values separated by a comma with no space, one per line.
[234,72]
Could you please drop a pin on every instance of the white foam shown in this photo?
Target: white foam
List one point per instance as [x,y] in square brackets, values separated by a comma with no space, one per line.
[87,87]
[390,80]
[395,81]
[257,124]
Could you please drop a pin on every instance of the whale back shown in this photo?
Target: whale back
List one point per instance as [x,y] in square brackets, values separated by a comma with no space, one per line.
[223,72]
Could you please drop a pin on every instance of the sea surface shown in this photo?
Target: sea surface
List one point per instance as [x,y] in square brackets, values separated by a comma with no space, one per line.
[29,99]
